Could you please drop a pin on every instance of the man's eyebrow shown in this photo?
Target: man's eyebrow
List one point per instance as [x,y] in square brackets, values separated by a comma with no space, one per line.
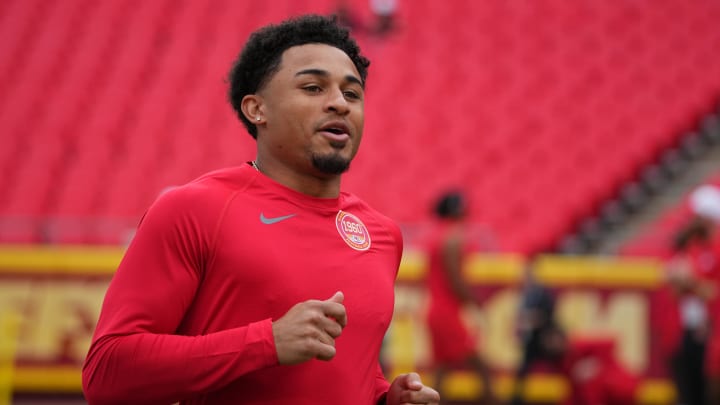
[325,73]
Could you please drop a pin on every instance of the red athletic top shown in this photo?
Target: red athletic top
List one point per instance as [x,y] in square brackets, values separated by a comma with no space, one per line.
[452,342]
[187,317]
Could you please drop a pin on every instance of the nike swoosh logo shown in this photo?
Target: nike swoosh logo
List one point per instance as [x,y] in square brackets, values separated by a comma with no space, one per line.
[269,221]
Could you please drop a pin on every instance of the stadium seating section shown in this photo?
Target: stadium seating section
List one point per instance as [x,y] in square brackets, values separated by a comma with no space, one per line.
[541,110]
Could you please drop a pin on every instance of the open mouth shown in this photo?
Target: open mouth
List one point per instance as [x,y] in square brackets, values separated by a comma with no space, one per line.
[335,127]
[336,132]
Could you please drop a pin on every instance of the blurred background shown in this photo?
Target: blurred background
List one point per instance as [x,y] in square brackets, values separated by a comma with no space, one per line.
[577,130]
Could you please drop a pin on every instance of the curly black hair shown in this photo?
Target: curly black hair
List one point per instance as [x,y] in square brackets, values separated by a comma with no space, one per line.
[260,58]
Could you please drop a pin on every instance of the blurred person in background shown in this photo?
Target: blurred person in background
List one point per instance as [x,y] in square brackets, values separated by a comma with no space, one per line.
[384,11]
[694,274]
[453,345]
[595,375]
[263,283]
[384,17]
[542,339]
[347,18]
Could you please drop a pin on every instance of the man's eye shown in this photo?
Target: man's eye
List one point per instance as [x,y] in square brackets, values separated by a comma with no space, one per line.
[351,94]
[312,89]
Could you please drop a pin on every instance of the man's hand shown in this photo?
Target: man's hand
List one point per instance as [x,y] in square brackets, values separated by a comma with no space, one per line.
[309,329]
[407,389]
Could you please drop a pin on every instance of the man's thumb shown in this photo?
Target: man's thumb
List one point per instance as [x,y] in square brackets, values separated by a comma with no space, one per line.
[338,297]
[413,382]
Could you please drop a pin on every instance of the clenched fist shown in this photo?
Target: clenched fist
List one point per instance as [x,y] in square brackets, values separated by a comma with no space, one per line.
[408,389]
[309,329]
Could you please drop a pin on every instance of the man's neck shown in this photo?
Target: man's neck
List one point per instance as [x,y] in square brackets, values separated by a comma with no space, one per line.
[312,184]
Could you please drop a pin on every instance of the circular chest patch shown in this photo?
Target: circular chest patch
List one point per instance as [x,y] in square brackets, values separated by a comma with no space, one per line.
[352,230]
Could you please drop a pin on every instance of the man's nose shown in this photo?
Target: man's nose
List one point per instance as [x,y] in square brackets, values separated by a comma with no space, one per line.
[337,102]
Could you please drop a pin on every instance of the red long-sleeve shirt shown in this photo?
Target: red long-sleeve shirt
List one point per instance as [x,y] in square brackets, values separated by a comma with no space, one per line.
[188,315]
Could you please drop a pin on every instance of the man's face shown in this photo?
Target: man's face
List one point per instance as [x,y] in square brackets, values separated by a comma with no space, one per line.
[313,110]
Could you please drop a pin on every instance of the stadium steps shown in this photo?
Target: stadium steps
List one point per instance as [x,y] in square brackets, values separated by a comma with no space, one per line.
[633,223]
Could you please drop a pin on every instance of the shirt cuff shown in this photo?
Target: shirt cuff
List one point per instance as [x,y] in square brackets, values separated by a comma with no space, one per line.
[260,338]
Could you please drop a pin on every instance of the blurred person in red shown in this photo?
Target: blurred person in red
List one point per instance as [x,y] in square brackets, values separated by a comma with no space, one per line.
[263,283]
[694,274]
[594,374]
[453,344]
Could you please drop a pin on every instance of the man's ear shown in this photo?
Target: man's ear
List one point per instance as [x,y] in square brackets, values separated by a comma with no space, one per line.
[251,106]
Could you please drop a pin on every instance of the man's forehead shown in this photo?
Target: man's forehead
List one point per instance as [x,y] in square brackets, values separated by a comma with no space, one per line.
[315,55]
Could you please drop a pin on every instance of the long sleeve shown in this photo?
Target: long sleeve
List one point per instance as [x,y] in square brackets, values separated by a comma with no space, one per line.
[381,385]
[135,356]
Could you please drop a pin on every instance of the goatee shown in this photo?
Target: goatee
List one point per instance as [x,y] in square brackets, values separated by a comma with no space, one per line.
[330,164]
